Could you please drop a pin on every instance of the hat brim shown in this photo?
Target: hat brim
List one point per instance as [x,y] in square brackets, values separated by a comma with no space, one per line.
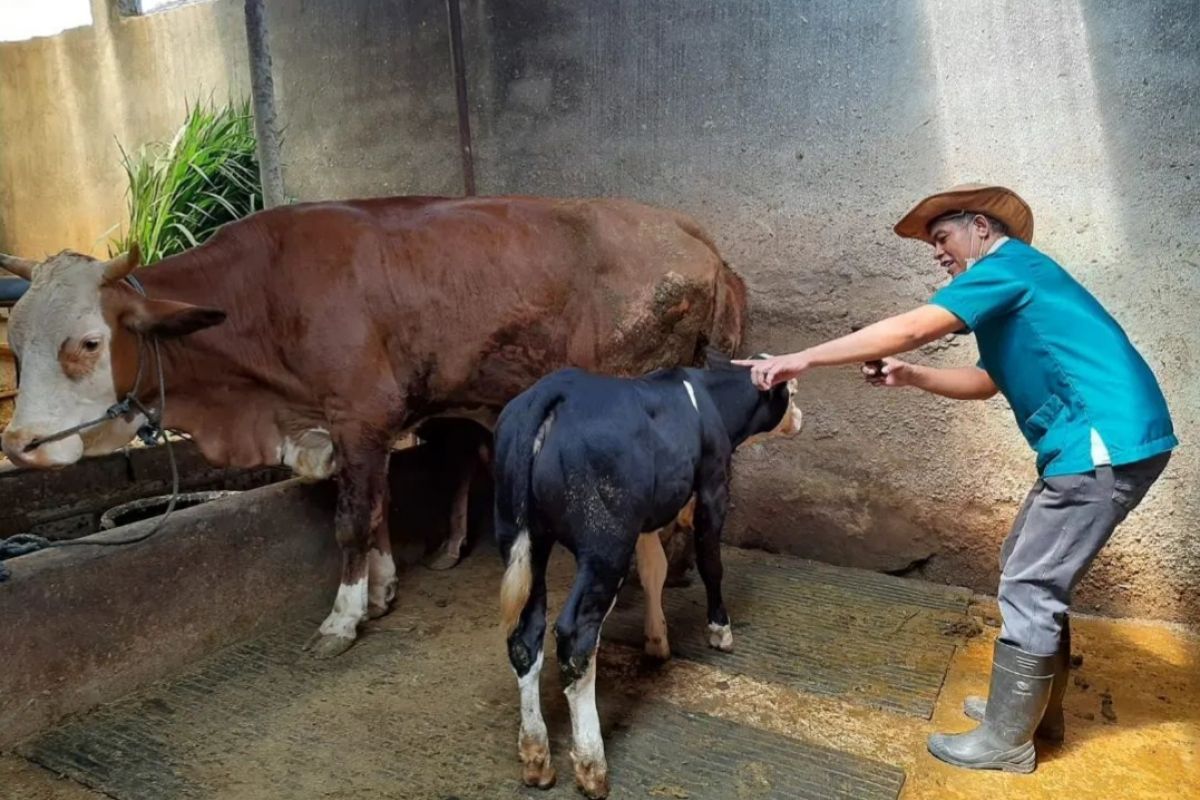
[993,201]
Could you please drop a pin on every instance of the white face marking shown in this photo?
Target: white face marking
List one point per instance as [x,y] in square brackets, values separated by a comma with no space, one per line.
[381,578]
[652,571]
[585,720]
[61,312]
[309,454]
[720,636]
[793,418]
[349,609]
[691,394]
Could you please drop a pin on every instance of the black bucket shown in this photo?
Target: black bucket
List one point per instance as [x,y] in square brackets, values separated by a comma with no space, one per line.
[151,507]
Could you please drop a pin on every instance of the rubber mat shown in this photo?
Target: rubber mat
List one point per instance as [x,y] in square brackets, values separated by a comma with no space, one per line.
[399,716]
[870,638]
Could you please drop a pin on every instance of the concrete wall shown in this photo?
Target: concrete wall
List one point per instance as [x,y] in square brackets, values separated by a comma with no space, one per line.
[798,133]
[67,100]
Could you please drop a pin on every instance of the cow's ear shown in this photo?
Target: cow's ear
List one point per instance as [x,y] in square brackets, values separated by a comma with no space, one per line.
[167,318]
[20,267]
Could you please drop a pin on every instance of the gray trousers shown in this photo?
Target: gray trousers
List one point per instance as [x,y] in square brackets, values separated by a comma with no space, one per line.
[1062,525]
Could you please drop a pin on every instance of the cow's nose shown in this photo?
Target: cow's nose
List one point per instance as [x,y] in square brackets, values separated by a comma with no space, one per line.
[15,443]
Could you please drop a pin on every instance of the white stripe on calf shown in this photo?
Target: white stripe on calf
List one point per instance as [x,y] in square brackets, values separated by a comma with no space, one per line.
[691,394]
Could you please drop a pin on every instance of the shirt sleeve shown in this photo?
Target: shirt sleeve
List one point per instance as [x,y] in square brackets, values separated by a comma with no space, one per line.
[986,291]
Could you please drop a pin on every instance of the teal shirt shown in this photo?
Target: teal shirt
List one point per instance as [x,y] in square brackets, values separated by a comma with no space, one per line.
[1064,364]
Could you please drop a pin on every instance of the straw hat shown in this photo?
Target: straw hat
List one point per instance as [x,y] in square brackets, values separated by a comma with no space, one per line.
[993,201]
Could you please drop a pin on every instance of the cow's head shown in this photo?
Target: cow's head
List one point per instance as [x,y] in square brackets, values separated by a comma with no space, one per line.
[74,334]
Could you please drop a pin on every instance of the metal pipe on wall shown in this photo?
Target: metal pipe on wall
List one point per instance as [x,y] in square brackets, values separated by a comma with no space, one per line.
[263,91]
[460,88]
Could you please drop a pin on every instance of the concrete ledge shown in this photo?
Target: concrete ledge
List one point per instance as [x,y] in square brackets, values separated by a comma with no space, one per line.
[66,503]
[81,626]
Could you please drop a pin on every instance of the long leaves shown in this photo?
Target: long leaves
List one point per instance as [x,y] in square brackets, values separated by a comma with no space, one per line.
[182,191]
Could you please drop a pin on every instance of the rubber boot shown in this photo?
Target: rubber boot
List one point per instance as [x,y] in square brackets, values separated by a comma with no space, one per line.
[1053,725]
[1017,698]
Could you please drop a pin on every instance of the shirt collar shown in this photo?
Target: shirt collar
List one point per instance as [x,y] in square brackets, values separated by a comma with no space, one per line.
[995,245]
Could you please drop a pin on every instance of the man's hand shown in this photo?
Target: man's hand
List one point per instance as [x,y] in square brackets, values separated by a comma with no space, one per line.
[767,372]
[895,373]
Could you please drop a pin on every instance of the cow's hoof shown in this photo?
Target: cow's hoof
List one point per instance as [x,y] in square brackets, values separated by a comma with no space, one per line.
[538,771]
[657,649]
[444,558]
[720,637]
[327,645]
[377,610]
[592,779]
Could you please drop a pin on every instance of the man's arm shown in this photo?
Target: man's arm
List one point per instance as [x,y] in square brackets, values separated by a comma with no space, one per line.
[959,383]
[888,337]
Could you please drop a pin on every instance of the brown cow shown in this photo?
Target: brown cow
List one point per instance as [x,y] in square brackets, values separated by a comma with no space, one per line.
[347,323]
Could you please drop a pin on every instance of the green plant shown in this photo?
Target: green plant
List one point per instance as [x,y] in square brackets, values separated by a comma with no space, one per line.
[180,193]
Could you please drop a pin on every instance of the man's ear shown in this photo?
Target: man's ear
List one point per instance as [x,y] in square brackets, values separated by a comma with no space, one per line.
[166,319]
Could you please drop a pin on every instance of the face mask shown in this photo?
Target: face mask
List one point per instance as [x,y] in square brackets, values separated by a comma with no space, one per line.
[972,260]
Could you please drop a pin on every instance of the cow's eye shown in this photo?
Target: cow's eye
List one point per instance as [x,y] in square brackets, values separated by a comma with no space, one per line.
[91,345]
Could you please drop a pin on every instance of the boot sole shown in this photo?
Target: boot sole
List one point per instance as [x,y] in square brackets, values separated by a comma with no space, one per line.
[1024,764]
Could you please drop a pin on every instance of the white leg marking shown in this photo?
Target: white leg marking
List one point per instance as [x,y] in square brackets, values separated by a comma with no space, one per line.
[652,570]
[588,749]
[349,609]
[381,571]
[691,394]
[533,726]
[533,745]
[720,636]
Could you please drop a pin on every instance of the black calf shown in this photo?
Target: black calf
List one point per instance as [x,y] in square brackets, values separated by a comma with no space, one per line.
[595,463]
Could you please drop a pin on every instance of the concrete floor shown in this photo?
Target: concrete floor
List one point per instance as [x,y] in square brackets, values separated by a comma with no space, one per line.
[1133,709]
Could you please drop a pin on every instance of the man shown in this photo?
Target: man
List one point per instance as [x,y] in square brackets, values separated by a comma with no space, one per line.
[1086,402]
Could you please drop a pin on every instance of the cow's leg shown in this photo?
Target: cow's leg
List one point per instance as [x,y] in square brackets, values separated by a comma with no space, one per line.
[525,646]
[450,553]
[712,502]
[652,571]
[577,631]
[362,483]
[381,566]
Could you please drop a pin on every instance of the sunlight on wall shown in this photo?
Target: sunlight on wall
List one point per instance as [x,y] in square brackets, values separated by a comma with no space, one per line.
[989,66]
[25,19]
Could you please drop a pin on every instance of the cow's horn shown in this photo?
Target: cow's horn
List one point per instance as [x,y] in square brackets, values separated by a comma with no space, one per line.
[122,265]
[20,267]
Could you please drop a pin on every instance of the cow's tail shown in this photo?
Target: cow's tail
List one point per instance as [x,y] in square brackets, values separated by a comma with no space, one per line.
[517,583]
[728,323]
[520,434]
[729,311]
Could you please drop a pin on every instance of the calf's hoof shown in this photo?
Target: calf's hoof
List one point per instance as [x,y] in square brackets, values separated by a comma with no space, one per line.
[591,778]
[327,645]
[537,771]
[720,637]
